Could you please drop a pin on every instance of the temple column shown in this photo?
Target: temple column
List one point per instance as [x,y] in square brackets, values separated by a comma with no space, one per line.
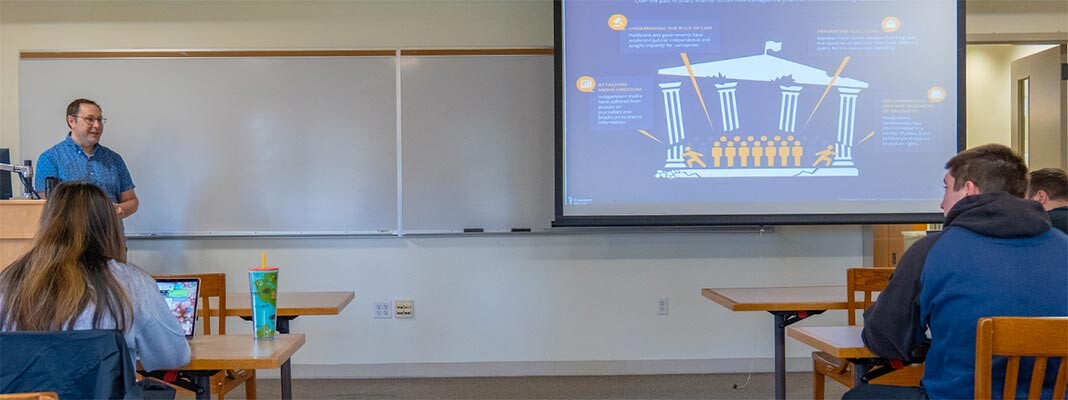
[788,109]
[676,131]
[847,111]
[728,106]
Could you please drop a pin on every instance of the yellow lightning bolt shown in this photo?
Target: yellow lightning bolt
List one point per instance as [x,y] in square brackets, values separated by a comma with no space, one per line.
[828,88]
[643,132]
[872,133]
[693,78]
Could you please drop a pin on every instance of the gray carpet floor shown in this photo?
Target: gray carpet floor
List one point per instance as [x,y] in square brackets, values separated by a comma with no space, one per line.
[712,386]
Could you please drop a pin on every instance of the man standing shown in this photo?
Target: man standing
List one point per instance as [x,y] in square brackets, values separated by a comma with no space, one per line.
[996,256]
[80,157]
[1049,186]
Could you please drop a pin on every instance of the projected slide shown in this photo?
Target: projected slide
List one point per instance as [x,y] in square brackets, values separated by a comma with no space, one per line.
[726,107]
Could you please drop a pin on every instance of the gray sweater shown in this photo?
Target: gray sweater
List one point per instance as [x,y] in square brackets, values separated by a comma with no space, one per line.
[155,337]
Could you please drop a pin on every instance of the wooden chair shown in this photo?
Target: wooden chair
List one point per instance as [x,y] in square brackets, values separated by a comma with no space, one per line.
[30,396]
[868,281]
[1015,337]
[214,285]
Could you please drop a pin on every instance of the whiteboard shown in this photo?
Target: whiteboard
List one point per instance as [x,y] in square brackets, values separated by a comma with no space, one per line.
[477,142]
[244,144]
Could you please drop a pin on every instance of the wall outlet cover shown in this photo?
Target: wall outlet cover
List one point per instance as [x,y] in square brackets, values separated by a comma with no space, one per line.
[404,308]
[662,306]
[382,310]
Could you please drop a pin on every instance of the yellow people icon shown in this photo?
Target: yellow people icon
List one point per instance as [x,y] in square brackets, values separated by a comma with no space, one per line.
[617,22]
[891,24]
[586,84]
[936,94]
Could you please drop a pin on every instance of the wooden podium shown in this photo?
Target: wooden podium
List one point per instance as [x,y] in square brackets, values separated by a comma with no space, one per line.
[18,223]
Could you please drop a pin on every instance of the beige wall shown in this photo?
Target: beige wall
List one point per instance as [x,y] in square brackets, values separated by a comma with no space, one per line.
[123,25]
[580,304]
[989,90]
[178,24]
[485,305]
[1016,16]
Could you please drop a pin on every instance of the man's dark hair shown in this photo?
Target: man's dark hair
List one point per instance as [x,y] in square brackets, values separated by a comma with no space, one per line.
[991,167]
[76,105]
[1052,180]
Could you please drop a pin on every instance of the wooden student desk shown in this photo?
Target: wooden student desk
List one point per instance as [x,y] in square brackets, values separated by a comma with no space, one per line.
[788,305]
[290,305]
[845,342]
[839,341]
[213,353]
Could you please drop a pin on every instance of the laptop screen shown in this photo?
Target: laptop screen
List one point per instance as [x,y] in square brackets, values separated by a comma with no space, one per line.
[181,296]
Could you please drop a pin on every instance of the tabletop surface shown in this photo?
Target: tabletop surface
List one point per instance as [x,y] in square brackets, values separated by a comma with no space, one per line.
[838,341]
[795,298]
[290,304]
[211,352]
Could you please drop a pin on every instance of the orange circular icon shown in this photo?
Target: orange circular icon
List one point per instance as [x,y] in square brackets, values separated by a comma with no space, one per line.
[586,84]
[891,24]
[617,22]
[936,94]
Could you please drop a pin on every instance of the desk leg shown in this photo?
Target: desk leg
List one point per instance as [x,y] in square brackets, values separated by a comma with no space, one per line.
[287,383]
[287,372]
[780,355]
[782,320]
[204,381]
[282,324]
[859,370]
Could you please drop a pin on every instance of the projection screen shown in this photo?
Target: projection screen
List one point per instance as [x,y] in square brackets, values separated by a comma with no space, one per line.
[725,112]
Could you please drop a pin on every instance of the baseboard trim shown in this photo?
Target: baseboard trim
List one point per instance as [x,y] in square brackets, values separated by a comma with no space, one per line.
[538,368]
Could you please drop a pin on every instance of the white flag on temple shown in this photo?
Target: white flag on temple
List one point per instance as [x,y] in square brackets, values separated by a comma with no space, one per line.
[773,46]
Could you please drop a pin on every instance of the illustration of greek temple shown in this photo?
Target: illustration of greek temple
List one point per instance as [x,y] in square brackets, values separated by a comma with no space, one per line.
[761,68]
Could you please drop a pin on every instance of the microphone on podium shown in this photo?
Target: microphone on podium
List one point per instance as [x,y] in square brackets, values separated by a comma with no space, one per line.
[25,173]
[13,168]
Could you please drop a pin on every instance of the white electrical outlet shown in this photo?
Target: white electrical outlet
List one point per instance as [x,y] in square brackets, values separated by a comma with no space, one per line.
[662,306]
[383,310]
[404,308]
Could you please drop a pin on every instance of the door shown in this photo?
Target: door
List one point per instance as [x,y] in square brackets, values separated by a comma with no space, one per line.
[1040,108]
[889,243]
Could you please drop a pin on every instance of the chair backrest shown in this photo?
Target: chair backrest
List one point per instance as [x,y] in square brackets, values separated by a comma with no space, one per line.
[84,364]
[866,281]
[1040,337]
[211,285]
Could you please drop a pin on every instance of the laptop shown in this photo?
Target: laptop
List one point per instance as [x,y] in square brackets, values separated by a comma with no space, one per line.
[181,295]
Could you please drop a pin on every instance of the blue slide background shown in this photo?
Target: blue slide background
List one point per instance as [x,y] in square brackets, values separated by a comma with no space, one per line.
[616,165]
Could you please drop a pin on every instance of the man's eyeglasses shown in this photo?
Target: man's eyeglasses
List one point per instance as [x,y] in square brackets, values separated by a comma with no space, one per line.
[93,120]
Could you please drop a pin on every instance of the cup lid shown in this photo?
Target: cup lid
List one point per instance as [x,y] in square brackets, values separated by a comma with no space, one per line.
[263,268]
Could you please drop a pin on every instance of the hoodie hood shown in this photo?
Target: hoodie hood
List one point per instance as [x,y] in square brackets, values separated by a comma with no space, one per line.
[999,214]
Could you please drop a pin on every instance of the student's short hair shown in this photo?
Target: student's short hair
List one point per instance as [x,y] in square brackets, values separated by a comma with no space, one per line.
[1052,180]
[991,167]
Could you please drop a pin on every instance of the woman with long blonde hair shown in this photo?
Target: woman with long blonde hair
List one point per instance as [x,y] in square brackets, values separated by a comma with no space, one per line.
[75,276]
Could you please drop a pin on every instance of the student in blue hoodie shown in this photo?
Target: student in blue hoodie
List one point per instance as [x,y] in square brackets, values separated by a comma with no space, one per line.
[996,256]
[1049,186]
